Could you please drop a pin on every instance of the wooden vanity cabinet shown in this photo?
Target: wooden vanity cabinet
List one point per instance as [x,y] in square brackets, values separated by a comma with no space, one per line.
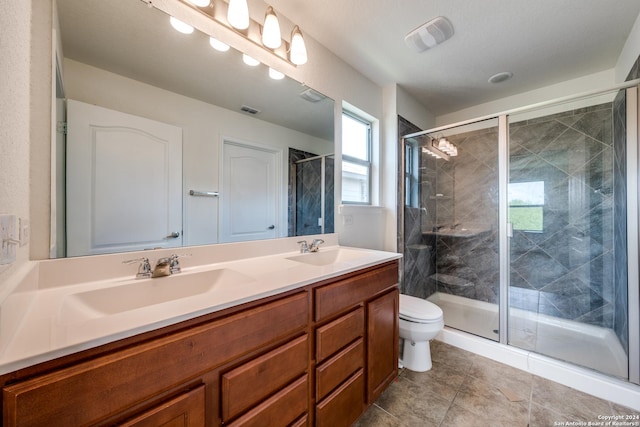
[356,343]
[111,388]
[316,356]
[382,358]
[185,410]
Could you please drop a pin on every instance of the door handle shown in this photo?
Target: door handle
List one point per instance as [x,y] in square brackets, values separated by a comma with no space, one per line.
[271,227]
[173,235]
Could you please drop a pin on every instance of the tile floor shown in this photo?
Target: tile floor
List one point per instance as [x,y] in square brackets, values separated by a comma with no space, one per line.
[464,389]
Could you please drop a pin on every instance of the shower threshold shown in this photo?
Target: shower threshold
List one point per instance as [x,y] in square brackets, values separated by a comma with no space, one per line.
[586,345]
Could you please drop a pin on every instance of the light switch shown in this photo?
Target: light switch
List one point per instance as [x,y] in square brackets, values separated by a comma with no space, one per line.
[23,231]
[8,238]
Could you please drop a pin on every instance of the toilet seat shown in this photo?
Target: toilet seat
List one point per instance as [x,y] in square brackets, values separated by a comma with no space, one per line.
[417,310]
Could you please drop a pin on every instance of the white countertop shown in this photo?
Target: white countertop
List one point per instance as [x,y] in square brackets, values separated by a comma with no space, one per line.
[50,319]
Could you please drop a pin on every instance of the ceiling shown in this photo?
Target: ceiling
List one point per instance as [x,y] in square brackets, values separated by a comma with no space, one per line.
[128,38]
[541,42]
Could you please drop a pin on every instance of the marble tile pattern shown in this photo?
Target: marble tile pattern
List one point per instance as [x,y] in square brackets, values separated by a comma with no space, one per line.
[416,265]
[305,195]
[620,290]
[462,191]
[464,389]
[567,269]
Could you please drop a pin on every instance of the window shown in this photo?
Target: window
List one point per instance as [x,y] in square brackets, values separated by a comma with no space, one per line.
[526,203]
[411,173]
[356,160]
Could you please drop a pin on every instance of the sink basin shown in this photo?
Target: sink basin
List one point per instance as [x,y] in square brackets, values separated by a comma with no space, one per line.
[332,256]
[147,292]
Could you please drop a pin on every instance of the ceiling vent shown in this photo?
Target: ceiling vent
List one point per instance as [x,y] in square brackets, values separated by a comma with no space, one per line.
[430,34]
[250,110]
[312,95]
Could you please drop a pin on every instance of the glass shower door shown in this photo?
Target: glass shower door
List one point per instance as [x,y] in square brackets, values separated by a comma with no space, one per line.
[451,224]
[564,177]
[314,200]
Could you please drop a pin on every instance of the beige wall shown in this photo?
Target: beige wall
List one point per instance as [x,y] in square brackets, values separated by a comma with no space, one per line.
[15,113]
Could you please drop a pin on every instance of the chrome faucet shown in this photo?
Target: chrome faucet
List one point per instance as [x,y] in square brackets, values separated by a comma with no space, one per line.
[162,268]
[304,247]
[174,262]
[144,269]
[315,245]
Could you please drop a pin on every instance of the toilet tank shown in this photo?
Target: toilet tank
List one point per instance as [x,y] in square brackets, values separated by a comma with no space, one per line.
[361,226]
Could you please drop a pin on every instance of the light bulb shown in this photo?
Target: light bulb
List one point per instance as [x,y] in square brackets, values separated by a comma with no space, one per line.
[275,74]
[252,62]
[271,36]
[218,45]
[180,26]
[200,3]
[298,53]
[238,14]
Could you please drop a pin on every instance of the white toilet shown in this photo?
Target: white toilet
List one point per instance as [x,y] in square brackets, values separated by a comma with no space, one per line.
[420,322]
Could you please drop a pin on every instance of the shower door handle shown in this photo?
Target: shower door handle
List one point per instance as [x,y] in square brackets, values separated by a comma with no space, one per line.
[509,229]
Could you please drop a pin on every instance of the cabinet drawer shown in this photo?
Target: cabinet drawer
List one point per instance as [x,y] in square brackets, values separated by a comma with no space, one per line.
[282,409]
[302,422]
[339,296]
[186,410]
[105,386]
[344,405]
[335,335]
[257,379]
[337,369]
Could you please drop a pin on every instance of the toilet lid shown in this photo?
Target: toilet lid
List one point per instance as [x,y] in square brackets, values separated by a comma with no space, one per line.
[419,310]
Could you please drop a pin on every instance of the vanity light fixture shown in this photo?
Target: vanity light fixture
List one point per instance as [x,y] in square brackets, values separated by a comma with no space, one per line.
[431,153]
[250,61]
[238,14]
[440,148]
[234,17]
[275,74]
[271,36]
[180,26]
[218,45]
[298,54]
[447,147]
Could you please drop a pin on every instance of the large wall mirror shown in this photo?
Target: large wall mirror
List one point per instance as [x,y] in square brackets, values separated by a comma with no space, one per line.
[171,143]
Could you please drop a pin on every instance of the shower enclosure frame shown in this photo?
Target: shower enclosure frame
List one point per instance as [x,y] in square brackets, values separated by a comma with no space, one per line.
[323,183]
[633,207]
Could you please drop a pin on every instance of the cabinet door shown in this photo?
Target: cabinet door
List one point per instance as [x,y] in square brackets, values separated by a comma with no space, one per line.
[382,343]
[185,410]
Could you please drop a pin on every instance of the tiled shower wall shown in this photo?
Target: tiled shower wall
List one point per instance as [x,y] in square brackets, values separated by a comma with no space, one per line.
[305,196]
[418,262]
[564,271]
[621,315]
[466,197]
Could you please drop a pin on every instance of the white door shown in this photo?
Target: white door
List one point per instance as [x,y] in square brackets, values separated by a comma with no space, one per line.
[250,196]
[124,182]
